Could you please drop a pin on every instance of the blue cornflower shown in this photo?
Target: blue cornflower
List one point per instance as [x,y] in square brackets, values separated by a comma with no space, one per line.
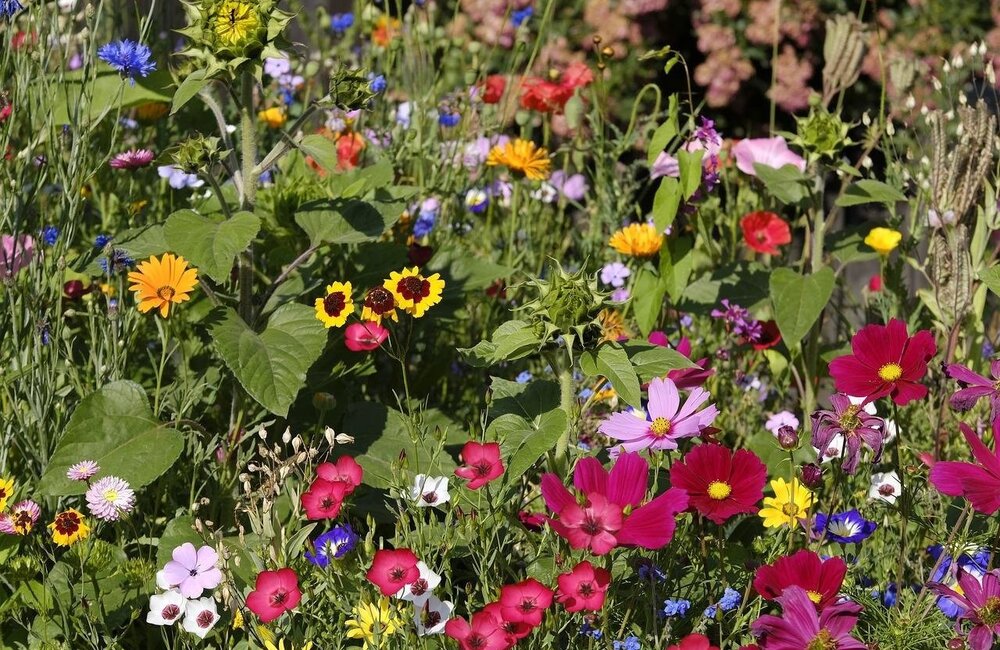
[676,607]
[426,217]
[101,241]
[988,349]
[891,595]
[117,260]
[630,643]
[588,630]
[129,58]
[730,600]
[518,17]
[9,8]
[340,23]
[333,544]
[449,118]
[50,234]
[378,83]
[128,123]
[649,571]
[585,393]
[846,527]
[523,377]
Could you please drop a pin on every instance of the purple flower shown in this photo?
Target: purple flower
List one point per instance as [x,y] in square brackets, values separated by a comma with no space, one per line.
[615,274]
[192,570]
[981,605]
[800,626]
[620,295]
[974,386]
[275,67]
[572,187]
[110,498]
[132,159]
[333,544]
[15,254]
[739,321]
[846,527]
[665,422]
[856,426]
[82,471]
[769,152]
[178,178]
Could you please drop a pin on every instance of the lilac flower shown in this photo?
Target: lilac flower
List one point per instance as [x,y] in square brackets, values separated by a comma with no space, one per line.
[15,254]
[666,420]
[178,178]
[129,58]
[974,386]
[426,217]
[82,471]
[854,424]
[192,570]
[781,419]
[573,187]
[846,527]
[620,295]
[333,544]
[275,67]
[110,498]
[132,159]
[615,274]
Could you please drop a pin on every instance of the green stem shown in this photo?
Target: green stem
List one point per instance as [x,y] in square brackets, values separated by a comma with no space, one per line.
[248,144]
[567,403]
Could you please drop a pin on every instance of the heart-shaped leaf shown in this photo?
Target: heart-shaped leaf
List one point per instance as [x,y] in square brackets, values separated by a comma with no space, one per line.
[611,361]
[352,221]
[799,300]
[272,365]
[211,243]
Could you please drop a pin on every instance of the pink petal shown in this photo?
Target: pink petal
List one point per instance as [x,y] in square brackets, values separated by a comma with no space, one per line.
[556,496]
[627,482]
[590,476]
[624,426]
[663,399]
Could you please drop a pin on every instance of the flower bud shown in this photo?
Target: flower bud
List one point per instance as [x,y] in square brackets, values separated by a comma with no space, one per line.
[788,438]
[812,475]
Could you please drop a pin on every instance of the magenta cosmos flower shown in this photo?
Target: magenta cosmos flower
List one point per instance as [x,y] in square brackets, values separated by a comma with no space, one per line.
[974,386]
[608,509]
[770,152]
[854,423]
[981,603]
[666,420]
[132,159]
[800,627]
[978,482]
[193,570]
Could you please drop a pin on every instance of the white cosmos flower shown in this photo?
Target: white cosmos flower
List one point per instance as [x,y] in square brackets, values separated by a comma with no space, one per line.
[420,589]
[430,617]
[430,490]
[165,608]
[201,616]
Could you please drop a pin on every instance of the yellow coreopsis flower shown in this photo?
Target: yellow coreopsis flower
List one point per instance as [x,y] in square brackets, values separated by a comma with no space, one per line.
[69,527]
[373,623]
[334,309]
[521,157]
[883,240]
[612,325]
[160,282]
[274,117]
[6,492]
[637,240]
[790,503]
[413,292]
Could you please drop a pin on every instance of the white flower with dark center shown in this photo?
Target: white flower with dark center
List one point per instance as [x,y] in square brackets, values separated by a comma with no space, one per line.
[200,616]
[428,491]
[885,486]
[833,450]
[166,608]
[430,617]
[420,589]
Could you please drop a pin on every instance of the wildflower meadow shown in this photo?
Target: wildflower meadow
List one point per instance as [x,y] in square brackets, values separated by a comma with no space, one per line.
[490,324]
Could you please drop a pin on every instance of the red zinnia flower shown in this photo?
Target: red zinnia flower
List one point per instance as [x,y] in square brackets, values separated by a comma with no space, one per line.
[275,593]
[485,632]
[719,483]
[583,588]
[492,88]
[365,336]
[346,470]
[820,579]
[393,570]
[323,499]
[765,231]
[885,362]
[525,602]
[694,642]
[482,464]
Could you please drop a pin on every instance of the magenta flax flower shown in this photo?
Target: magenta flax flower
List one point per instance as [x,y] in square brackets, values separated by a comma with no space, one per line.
[801,627]
[666,421]
[981,604]
[132,159]
[110,498]
[83,471]
[192,570]
[978,482]
[854,423]
[974,387]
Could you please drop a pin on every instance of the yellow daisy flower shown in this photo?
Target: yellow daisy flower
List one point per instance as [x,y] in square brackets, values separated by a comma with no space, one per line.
[637,240]
[334,309]
[521,157]
[413,292]
[160,282]
[274,117]
[268,645]
[236,23]
[69,527]
[6,492]
[884,240]
[373,623]
[790,503]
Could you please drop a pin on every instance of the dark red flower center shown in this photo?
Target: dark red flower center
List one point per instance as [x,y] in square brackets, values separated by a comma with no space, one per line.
[886,490]
[414,288]
[430,618]
[279,597]
[419,587]
[476,640]
[380,300]
[334,304]
[527,605]
[586,589]
[397,573]
[205,619]
[430,497]
[482,468]
[67,523]
[170,612]
[592,525]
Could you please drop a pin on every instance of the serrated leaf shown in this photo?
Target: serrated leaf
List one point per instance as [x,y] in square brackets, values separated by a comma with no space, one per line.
[991,278]
[799,300]
[190,87]
[611,361]
[272,365]
[211,243]
[114,427]
[352,221]
[870,191]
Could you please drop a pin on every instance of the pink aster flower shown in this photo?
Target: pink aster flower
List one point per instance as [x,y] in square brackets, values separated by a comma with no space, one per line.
[83,471]
[666,420]
[981,604]
[110,498]
[770,152]
[132,159]
[193,570]
[801,626]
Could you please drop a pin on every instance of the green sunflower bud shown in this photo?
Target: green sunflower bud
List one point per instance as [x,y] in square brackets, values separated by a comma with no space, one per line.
[198,154]
[568,304]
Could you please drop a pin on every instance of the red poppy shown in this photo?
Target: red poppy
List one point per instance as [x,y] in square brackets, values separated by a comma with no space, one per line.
[349,148]
[323,499]
[765,231]
[346,470]
[525,602]
[365,336]
[583,588]
[492,88]
[393,570]
[577,75]
[545,96]
[484,633]
[482,464]
[719,483]
[770,336]
[694,642]
[885,362]
[820,579]
[275,593]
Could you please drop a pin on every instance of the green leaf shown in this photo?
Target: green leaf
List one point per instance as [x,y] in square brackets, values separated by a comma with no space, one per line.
[651,360]
[786,184]
[676,264]
[870,191]
[661,138]
[114,427]
[524,441]
[352,221]
[647,299]
[514,339]
[190,87]
[272,365]
[666,202]
[526,400]
[322,149]
[106,95]
[690,167]
[211,243]
[799,300]
[991,278]
[611,361]
[848,246]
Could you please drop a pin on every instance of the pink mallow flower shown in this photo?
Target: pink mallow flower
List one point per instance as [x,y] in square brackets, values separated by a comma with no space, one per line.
[769,152]
[193,570]
[978,482]
[666,421]
[800,626]
[981,605]
[598,521]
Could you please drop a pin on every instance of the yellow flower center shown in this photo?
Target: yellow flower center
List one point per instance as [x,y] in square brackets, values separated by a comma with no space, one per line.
[823,641]
[814,596]
[890,372]
[719,490]
[660,427]
[236,22]
[165,293]
[110,495]
[790,509]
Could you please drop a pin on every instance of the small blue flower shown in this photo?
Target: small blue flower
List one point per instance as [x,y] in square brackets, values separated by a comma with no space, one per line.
[378,83]
[340,23]
[846,527]
[676,607]
[333,544]
[891,595]
[101,241]
[449,118]
[50,234]
[523,377]
[630,643]
[476,200]
[710,611]
[117,260]
[587,630]
[686,321]
[129,58]
[585,393]
[649,571]
[518,17]
[730,600]
[128,123]
[9,8]
[988,349]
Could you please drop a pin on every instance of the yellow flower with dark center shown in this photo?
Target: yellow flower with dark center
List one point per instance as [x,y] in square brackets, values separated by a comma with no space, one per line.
[236,23]
[6,492]
[274,117]
[612,325]
[160,282]
[69,527]
[334,309]
[884,240]
[789,505]
[379,303]
[521,157]
[413,292]
[373,623]
[637,240]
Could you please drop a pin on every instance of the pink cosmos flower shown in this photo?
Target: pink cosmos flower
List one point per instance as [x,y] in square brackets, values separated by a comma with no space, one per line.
[770,152]
[193,570]
[364,337]
[800,626]
[600,523]
[974,386]
[978,482]
[132,159]
[981,605]
[274,593]
[15,254]
[525,602]
[666,420]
